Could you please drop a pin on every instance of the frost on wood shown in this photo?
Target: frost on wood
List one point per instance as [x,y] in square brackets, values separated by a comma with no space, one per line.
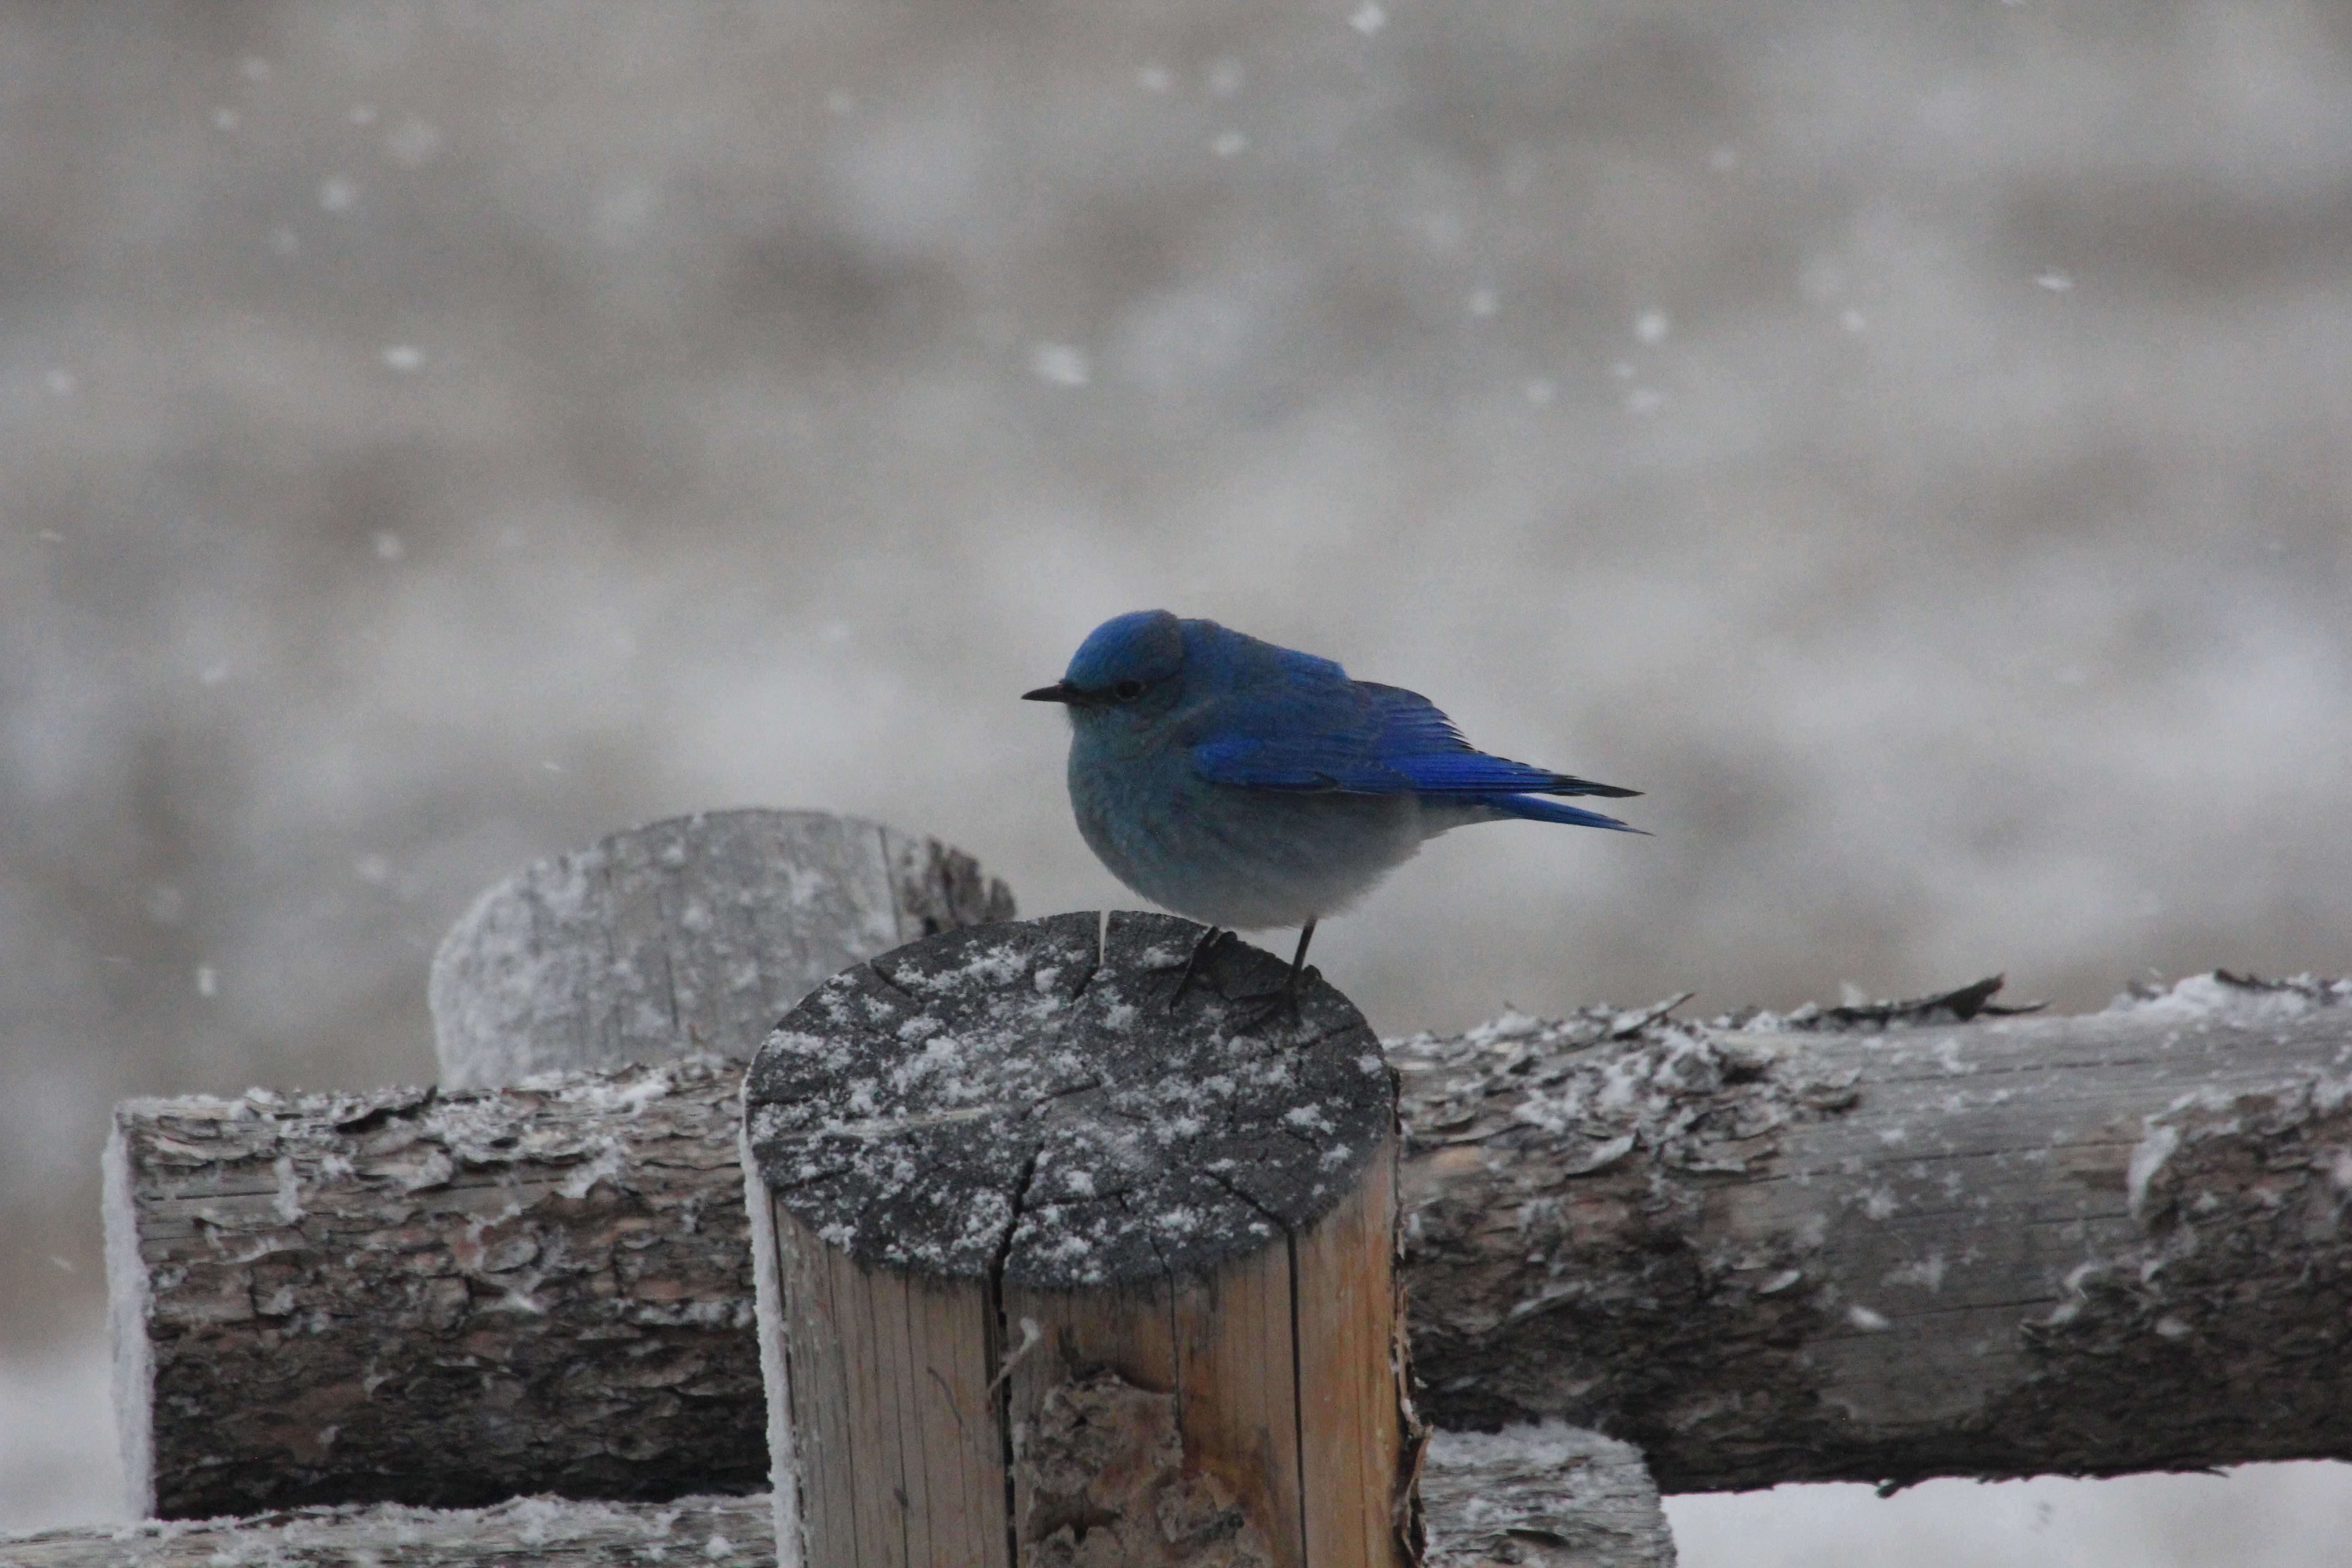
[1032,1193]
[546,1532]
[691,934]
[1015,1098]
[1545,1496]
[1807,1247]
[1796,1249]
[436,1299]
[1488,1504]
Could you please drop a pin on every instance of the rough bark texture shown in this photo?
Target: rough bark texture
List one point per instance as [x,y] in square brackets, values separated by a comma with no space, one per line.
[1777,1253]
[1075,1267]
[439,1300]
[1766,1254]
[454,1301]
[693,934]
[544,1532]
[1103,1479]
[1547,1498]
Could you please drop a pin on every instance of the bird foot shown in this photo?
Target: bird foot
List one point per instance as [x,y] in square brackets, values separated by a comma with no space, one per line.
[1263,1007]
[1194,967]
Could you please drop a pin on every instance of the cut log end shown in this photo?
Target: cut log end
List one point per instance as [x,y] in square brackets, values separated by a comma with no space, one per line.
[1063,1260]
[689,935]
[1076,1129]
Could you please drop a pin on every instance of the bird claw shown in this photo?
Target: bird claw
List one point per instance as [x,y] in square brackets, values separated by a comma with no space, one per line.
[1195,966]
[1263,1007]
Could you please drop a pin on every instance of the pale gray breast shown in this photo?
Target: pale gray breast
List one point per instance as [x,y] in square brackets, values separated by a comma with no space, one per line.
[1240,858]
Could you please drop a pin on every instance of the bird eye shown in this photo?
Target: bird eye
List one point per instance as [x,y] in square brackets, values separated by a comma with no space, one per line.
[1128,690]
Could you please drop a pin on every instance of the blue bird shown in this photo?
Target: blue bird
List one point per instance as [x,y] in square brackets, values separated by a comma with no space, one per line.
[1244,785]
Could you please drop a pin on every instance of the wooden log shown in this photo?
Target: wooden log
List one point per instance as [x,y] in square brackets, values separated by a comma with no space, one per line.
[1547,1498]
[391,1296]
[435,1299]
[1634,1263]
[1541,1496]
[1059,1269]
[332,1286]
[543,1532]
[689,935]
[1776,1252]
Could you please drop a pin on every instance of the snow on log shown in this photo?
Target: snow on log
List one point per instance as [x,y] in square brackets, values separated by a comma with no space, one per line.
[691,934]
[1074,1251]
[1873,1247]
[404,1296]
[1543,1496]
[512,1319]
[543,1532]
[1864,1246]
[1538,1498]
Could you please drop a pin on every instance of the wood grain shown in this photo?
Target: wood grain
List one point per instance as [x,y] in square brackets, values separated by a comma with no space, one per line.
[1661,1260]
[1110,1188]
[685,936]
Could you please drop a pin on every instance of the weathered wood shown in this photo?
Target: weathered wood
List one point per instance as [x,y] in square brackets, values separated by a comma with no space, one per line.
[688,935]
[1074,1270]
[1552,1498]
[1547,1495]
[241,1235]
[1775,1253]
[435,1299]
[1569,1251]
[545,1533]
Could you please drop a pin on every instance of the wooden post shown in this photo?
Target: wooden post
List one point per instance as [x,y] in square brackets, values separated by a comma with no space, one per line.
[400,1299]
[1051,1272]
[688,935]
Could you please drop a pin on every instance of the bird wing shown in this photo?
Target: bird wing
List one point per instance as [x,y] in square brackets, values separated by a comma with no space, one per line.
[1358,737]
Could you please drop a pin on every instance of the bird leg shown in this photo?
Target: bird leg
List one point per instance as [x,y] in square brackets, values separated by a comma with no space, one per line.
[1195,966]
[1284,998]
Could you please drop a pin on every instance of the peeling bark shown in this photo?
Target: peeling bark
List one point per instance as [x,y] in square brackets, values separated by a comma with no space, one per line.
[442,1300]
[1549,1498]
[1768,1254]
[2084,1244]
[1546,1496]
[545,1533]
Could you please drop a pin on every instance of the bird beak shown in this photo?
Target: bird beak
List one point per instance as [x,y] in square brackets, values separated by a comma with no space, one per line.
[1060,691]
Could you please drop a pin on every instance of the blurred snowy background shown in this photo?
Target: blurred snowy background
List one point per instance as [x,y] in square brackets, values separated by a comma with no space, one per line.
[1914,442]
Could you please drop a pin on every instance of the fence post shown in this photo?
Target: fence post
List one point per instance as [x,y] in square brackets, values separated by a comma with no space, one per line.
[397,1301]
[1052,1271]
[689,934]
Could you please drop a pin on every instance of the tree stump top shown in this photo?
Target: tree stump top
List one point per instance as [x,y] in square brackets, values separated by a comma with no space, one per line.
[1022,1099]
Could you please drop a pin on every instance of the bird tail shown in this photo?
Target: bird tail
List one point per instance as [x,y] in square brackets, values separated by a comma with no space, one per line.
[1535,808]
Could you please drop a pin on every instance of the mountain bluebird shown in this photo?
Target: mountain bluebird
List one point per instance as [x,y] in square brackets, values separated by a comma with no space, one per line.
[1246,786]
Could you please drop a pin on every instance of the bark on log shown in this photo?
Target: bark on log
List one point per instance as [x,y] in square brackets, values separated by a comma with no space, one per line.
[1060,1267]
[435,1299]
[1691,1234]
[1777,1253]
[545,1533]
[1547,1495]
[693,934]
[1547,1498]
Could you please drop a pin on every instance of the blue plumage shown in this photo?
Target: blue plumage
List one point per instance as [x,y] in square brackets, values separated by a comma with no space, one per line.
[1246,786]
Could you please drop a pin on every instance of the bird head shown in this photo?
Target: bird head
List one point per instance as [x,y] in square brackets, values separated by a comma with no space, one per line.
[1131,665]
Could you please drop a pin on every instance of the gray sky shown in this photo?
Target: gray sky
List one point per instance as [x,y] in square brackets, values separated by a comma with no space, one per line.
[1908,441]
